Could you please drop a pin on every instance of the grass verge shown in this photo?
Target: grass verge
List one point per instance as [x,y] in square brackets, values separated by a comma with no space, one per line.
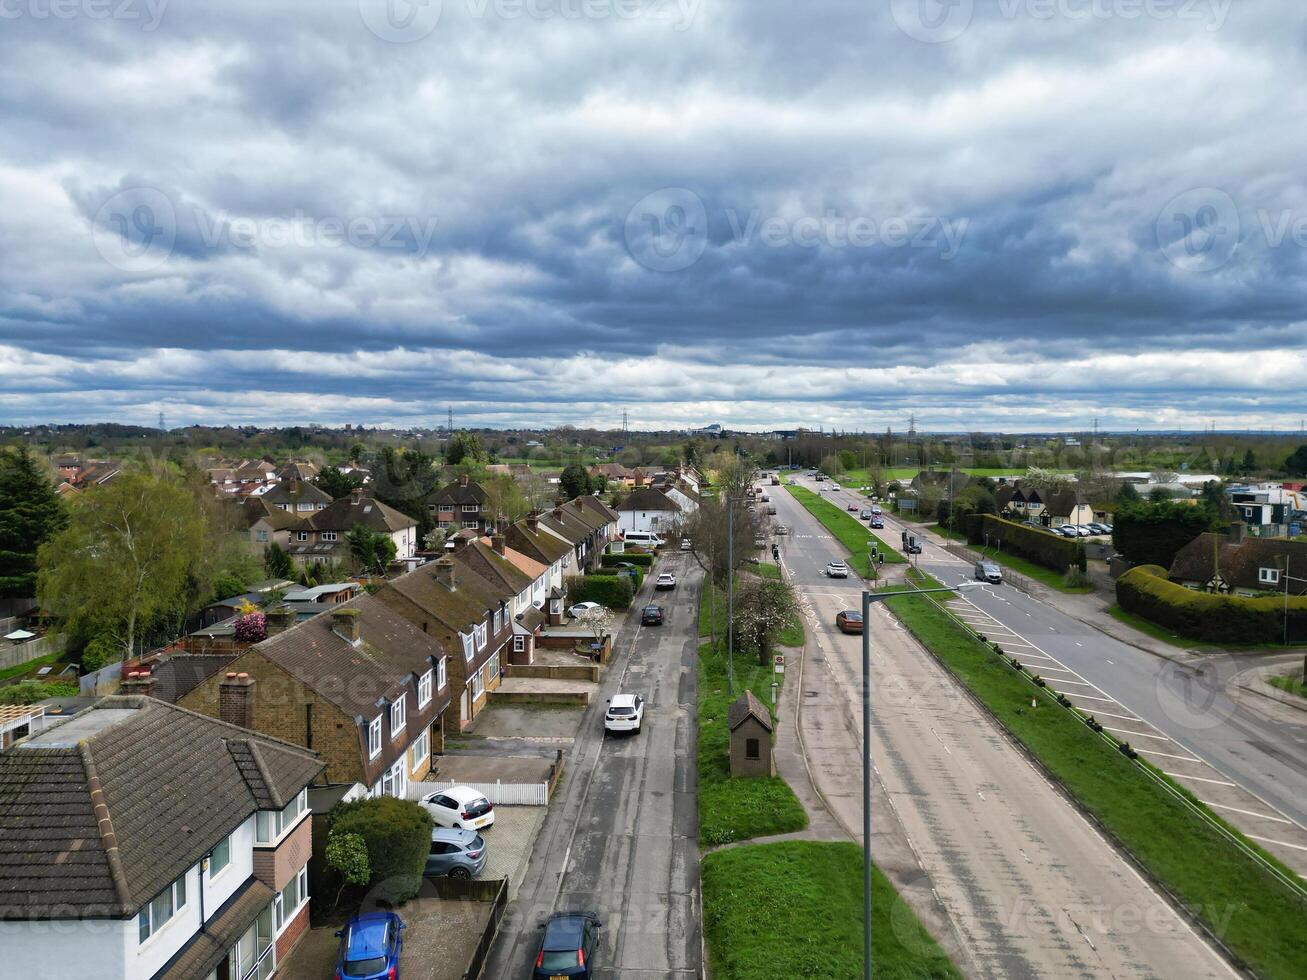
[1029,569]
[1256,916]
[1157,632]
[849,531]
[1291,683]
[794,909]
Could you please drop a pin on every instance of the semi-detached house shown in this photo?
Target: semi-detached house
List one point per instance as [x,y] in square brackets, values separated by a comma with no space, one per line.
[358,683]
[468,615]
[321,536]
[141,840]
[519,580]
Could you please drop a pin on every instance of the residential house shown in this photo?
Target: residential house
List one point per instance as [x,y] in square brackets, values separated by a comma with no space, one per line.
[1022,503]
[356,683]
[1066,507]
[321,536]
[526,537]
[449,601]
[520,580]
[647,509]
[297,471]
[587,524]
[461,504]
[142,840]
[1268,504]
[18,721]
[262,523]
[298,497]
[1232,562]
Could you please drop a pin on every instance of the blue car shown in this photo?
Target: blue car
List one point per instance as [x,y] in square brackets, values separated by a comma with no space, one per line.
[369,947]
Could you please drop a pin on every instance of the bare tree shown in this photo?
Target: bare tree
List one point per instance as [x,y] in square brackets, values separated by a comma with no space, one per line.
[763,608]
[599,621]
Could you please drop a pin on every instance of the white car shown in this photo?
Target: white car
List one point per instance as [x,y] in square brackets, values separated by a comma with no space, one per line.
[461,807]
[581,607]
[666,580]
[625,713]
[687,544]
[837,569]
[834,486]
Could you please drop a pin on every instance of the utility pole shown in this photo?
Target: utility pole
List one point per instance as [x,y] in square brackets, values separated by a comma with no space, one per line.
[450,427]
[730,596]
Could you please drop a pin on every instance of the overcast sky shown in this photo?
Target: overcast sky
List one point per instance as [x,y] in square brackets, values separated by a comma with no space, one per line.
[1017,214]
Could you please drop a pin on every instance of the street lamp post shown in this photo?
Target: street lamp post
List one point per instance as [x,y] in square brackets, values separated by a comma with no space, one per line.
[867,599]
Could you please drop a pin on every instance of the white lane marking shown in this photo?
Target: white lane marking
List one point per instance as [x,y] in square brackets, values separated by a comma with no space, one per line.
[1250,813]
[1082,684]
[1201,779]
[1079,644]
[1168,755]
[941,741]
[1271,840]
[1127,731]
[1110,662]
[1088,697]
[1061,670]
[1108,714]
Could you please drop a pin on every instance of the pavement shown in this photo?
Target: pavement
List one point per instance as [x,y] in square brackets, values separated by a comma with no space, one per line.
[621,835]
[1022,885]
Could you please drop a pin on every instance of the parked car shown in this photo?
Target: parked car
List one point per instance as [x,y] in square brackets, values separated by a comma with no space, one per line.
[581,607]
[782,529]
[687,544]
[652,616]
[849,621]
[370,944]
[1068,531]
[837,569]
[567,946]
[1099,528]
[876,521]
[864,514]
[771,509]
[625,713]
[764,497]
[461,807]
[988,571]
[456,853]
[666,580]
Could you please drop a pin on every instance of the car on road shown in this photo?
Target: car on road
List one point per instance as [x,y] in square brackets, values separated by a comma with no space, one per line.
[988,571]
[864,514]
[849,621]
[852,507]
[834,486]
[837,569]
[581,607]
[876,521]
[1073,531]
[666,580]
[456,853]
[912,547]
[687,544]
[652,616]
[370,944]
[461,807]
[782,529]
[625,713]
[764,497]
[875,508]
[567,946]
[771,510]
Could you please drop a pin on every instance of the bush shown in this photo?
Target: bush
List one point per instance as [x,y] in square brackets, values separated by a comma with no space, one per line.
[636,572]
[1041,547]
[30,692]
[1146,591]
[613,591]
[633,557]
[103,649]
[398,838]
[1151,533]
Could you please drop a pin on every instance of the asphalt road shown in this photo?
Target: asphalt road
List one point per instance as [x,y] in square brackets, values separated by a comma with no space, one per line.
[1028,886]
[1254,768]
[621,837]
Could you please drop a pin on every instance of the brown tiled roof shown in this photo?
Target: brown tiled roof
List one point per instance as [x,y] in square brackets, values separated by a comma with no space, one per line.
[1060,503]
[747,706]
[100,813]
[1239,563]
[537,544]
[566,523]
[599,512]
[456,493]
[496,569]
[296,492]
[197,959]
[456,611]
[529,566]
[647,498]
[180,674]
[360,507]
[257,509]
[298,471]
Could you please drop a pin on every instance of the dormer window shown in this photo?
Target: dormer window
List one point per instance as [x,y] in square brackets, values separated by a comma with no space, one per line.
[442,673]
[398,716]
[424,690]
[469,648]
[1268,576]
[374,738]
[482,637]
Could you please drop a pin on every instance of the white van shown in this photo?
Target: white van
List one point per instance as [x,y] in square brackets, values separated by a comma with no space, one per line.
[646,538]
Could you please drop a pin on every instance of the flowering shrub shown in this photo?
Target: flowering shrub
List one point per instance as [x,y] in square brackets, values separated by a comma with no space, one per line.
[251,628]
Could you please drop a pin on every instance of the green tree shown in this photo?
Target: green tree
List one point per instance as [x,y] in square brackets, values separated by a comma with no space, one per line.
[1296,464]
[1127,494]
[575,481]
[372,550]
[356,452]
[763,608]
[227,585]
[1151,533]
[30,514]
[347,855]
[397,834]
[1249,462]
[464,447]
[131,553]
[337,484]
[277,562]
[1217,502]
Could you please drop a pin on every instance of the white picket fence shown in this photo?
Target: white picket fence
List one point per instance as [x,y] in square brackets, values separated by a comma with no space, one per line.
[500,794]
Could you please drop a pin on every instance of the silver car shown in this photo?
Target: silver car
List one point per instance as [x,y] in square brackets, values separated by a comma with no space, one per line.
[456,853]
[837,569]
[988,571]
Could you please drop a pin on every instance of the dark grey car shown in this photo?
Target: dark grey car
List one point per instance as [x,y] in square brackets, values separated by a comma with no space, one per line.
[457,853]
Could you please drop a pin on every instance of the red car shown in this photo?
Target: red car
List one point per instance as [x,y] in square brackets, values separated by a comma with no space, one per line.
[849,621]
[852,507]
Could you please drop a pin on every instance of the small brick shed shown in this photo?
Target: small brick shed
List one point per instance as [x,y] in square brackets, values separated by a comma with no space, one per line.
[751,730]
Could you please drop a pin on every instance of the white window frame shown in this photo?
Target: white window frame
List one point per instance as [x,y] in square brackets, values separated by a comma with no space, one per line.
[272,826]
[482,636]
[478,687]
[374,737]
[519,643]
[328,535]
[442,524]
[442,673]
[301,535]
[145,920]
[469,645]
[398,715]
[471,508]
[499,620]
[424,690]
[492,666]
[1268,576]
[219,869]
[422,743]
[468,525]
[261,535]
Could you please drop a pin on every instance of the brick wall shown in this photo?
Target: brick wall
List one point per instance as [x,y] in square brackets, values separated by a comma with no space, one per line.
[293,932]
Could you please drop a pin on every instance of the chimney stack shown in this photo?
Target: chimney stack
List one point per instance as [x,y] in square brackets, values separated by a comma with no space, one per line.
[356,495]
[345,624]
[462,480]
[558,511]
[497,542]
[533,521]
[236,699]
[278,620]
[1236,532]
[444,572]
[138,682]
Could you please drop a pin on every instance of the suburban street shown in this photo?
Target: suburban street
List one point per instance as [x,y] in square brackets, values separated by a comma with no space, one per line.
[621,836]
[1027,885]
[1250,768]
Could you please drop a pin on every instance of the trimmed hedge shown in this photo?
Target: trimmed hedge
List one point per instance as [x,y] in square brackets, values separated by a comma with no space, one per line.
[1212,617]
[613,591]
[636,570]
[398,835]
[1152,533]
[633,557]
[1041,547]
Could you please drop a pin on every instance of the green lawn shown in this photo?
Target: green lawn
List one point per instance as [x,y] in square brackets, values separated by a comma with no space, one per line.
[30,667]
[859,477]
[1015,562]
[848,530]
[794,909]
[1291,683]
[1207,874]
